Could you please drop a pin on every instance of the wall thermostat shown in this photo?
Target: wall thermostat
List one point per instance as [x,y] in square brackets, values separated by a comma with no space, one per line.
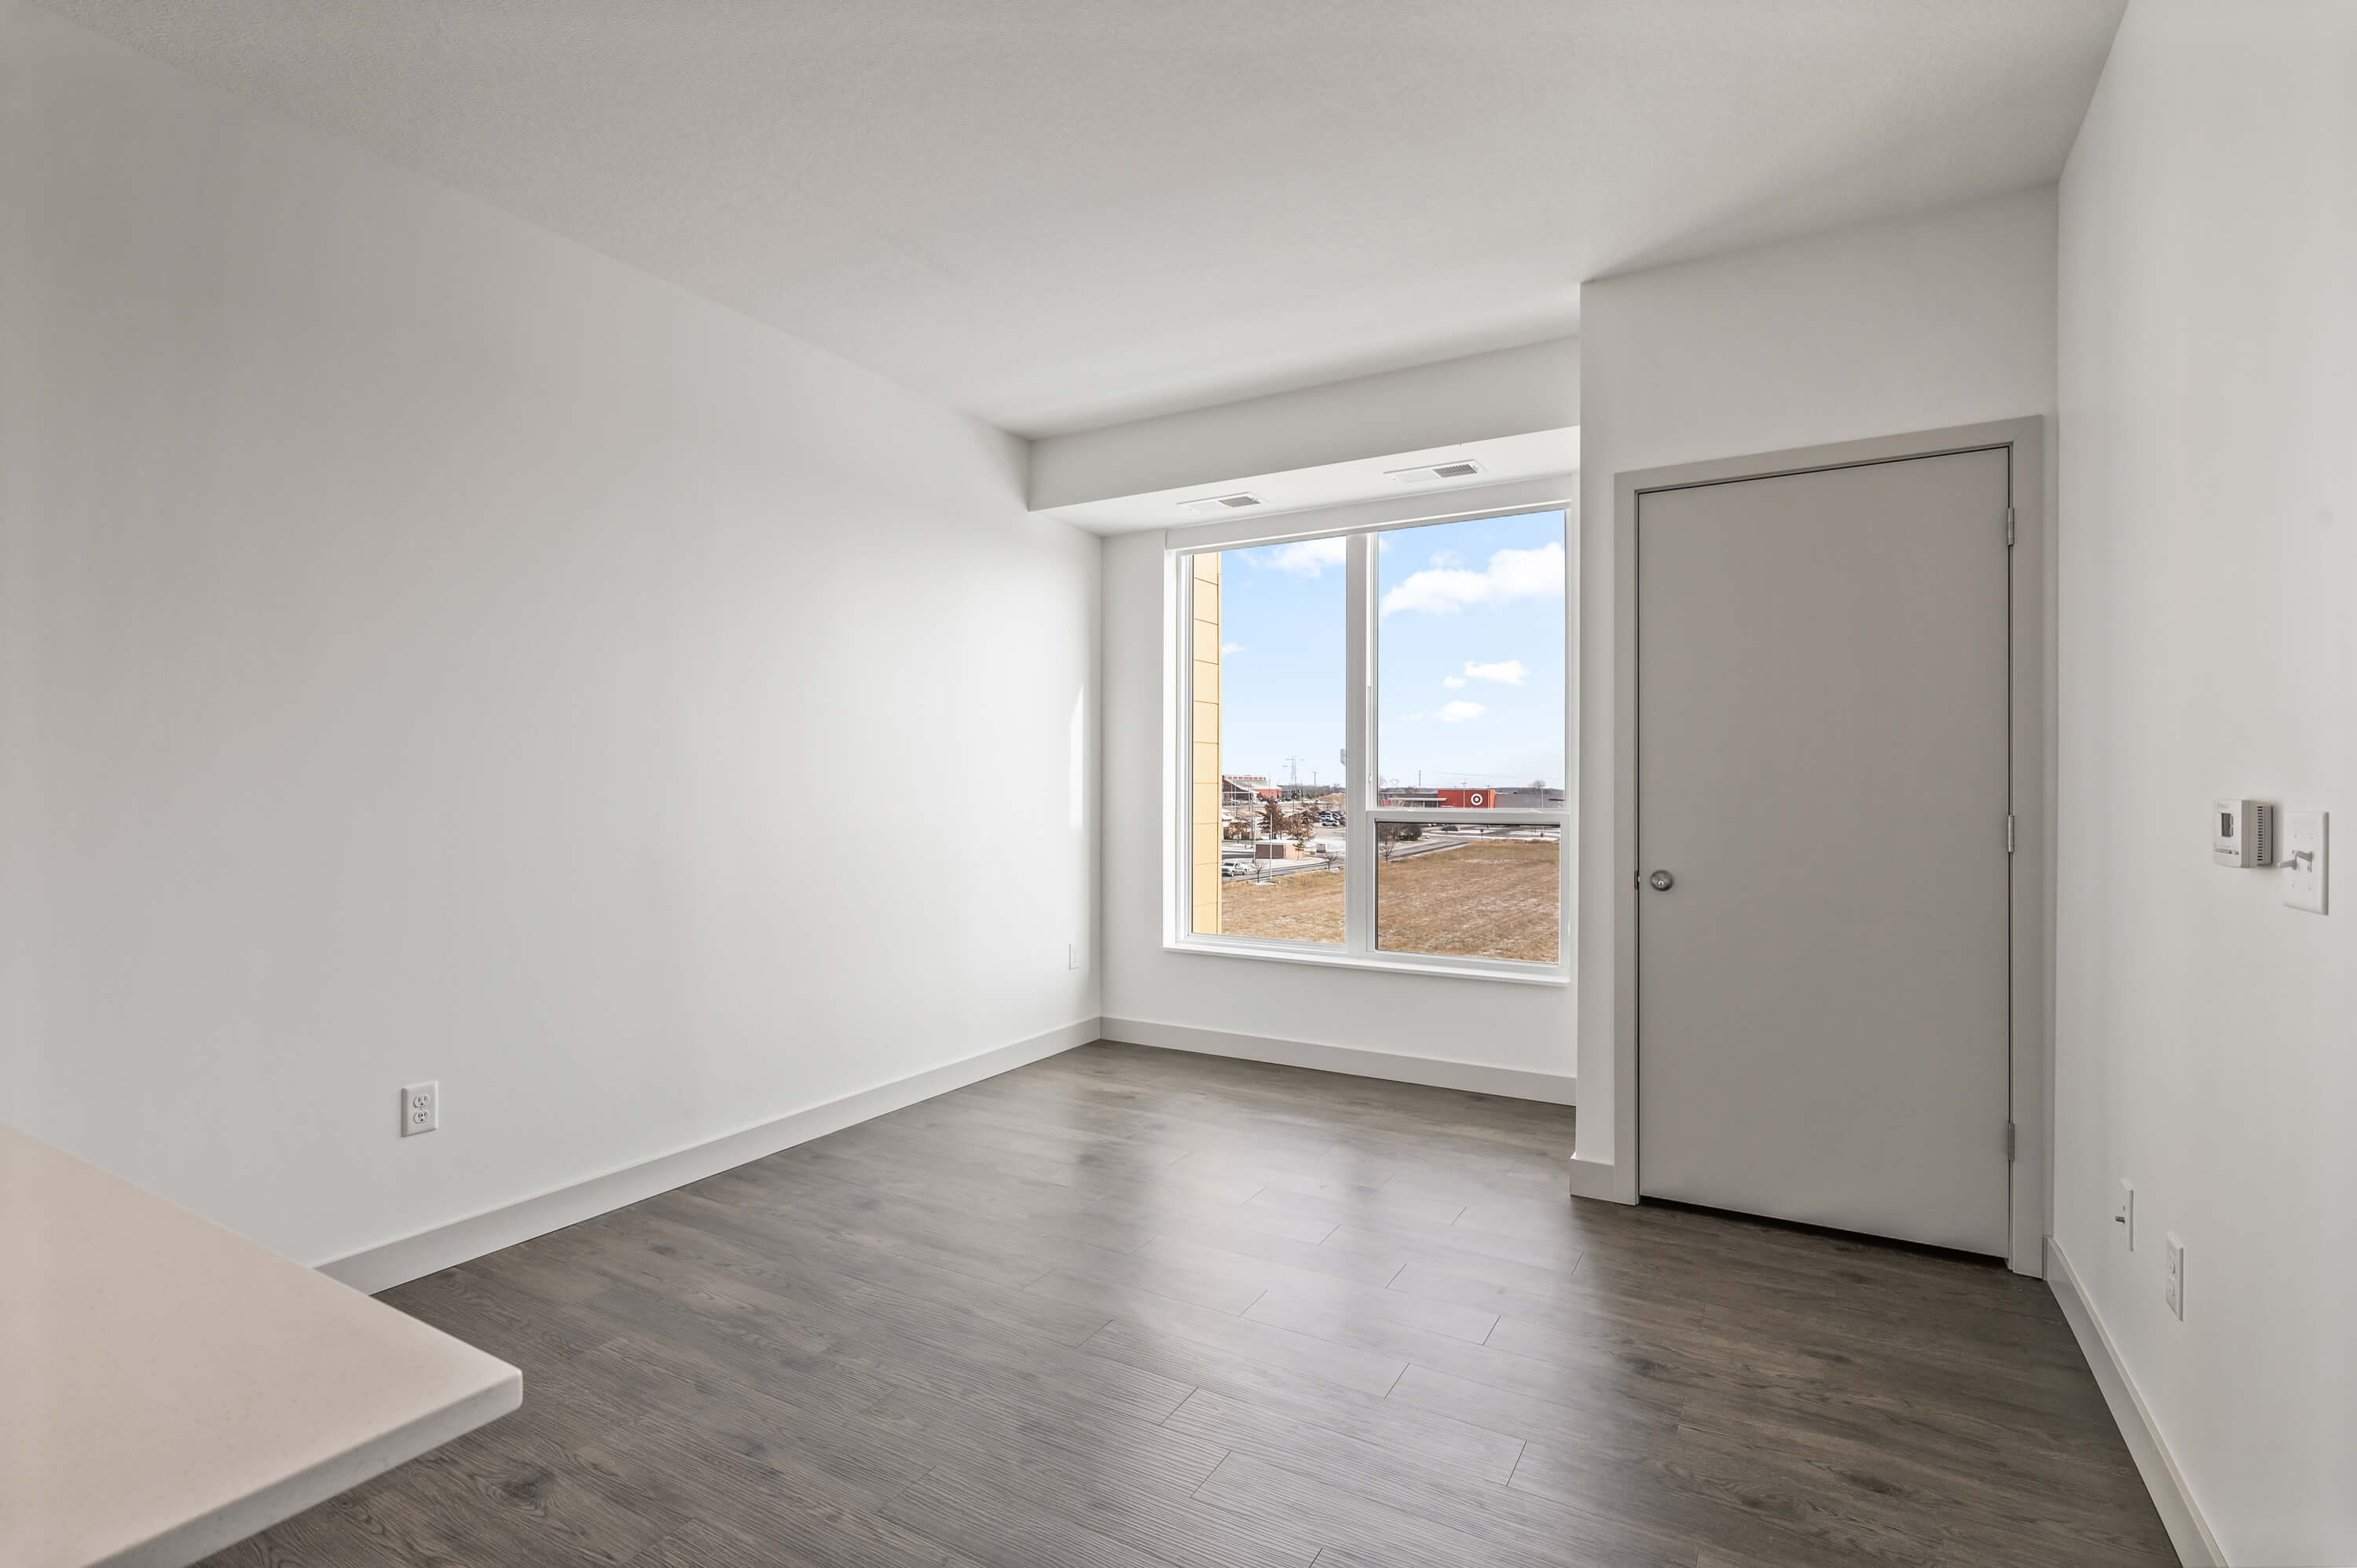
[2242,832]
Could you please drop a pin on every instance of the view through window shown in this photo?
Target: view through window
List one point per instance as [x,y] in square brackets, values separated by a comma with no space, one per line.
[1455,813]
[1268,782]
[1469,889]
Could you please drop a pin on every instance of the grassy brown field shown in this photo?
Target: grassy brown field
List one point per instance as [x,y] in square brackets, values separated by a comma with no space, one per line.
[1301,907]
[1490,898]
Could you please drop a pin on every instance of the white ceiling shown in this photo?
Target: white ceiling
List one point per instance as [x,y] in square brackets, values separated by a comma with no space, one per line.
[1062,213]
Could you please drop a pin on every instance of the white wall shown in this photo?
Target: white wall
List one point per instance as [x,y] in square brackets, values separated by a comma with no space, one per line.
[435,650]
[1939,319]
[1507,392]
[1525,1030]
[2208,572]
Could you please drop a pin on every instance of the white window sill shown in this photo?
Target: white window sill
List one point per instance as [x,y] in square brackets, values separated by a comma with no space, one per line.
[1334,958]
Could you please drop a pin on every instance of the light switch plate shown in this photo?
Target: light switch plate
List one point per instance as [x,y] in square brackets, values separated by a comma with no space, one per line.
[2123,1212]
[2300,854]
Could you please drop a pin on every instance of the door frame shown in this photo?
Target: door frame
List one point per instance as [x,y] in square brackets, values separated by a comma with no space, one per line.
[2031,703]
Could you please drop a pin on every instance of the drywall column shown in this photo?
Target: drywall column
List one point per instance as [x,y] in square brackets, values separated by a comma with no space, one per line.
[2209,523]
[1918,323]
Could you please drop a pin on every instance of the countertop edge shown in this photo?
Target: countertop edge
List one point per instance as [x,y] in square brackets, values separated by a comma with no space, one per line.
[197,1538]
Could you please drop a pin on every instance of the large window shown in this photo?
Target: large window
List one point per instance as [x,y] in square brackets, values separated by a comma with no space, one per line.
[1372,751]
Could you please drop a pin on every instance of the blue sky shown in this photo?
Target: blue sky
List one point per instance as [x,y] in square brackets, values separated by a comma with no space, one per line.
[1470,648]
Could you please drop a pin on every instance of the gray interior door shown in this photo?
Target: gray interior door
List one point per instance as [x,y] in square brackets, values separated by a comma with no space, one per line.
[1821,760]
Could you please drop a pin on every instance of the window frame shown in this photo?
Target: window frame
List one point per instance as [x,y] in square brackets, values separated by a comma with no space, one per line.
[1362,775]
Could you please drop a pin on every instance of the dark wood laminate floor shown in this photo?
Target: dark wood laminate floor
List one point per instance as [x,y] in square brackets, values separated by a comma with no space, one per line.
[1128,1309]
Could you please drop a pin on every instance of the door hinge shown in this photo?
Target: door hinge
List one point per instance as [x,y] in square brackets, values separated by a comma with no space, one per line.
[2008,528]
[2009,833]
[2008,1143]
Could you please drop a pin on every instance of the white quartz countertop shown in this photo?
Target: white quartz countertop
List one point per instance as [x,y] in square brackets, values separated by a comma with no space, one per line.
[167,1387]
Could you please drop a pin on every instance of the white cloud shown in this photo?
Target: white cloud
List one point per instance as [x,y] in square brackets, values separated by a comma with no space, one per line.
[1511,575]
[1447,558]
[1228,648]
[1452,682]
[1308,557]
[1458,712]
[1509,673]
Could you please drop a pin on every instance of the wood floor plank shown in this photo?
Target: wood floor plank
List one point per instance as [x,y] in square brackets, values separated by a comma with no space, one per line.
[745,1339]
[1368,1371]
[1344,1203]
[533,1333]
[1129,1308]
[814,1261]
[1252,1487]
[1132,1492]
[1184,1216]
[1025,1203]
[861,1343]
[1001,1253]
[1431,1438]
[1013,1254]
[709,1544]
[1330,1290]
[1149,1455]
[1538,1295]
[1558,1256]
[524,1493]
[341,1532]
[1073,1387]
[1498,1515]
[1969,1511]
[1249,1240]
[1562,1362]
[1005,1531]
[753,1417]
[797,1514]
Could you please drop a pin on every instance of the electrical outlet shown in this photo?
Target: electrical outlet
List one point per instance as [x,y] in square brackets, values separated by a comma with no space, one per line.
[2174,1291]
[421,1108]
[1071,955]
[2123,1212]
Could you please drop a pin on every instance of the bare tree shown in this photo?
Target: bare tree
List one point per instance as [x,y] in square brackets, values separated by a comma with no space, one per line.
[1301,826]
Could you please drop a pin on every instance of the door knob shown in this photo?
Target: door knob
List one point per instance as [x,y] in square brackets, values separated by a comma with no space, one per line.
[1662,881]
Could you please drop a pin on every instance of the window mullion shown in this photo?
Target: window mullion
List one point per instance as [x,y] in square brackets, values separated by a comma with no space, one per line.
[1359,739]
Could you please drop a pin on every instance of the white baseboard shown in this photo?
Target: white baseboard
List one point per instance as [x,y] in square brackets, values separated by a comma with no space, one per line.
[1511,1084]
[1595,1178]
[381,1267]
[2188,1531]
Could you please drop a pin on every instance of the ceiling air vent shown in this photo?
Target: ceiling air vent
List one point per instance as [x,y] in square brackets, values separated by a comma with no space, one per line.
[1461,469]
[1214,504]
